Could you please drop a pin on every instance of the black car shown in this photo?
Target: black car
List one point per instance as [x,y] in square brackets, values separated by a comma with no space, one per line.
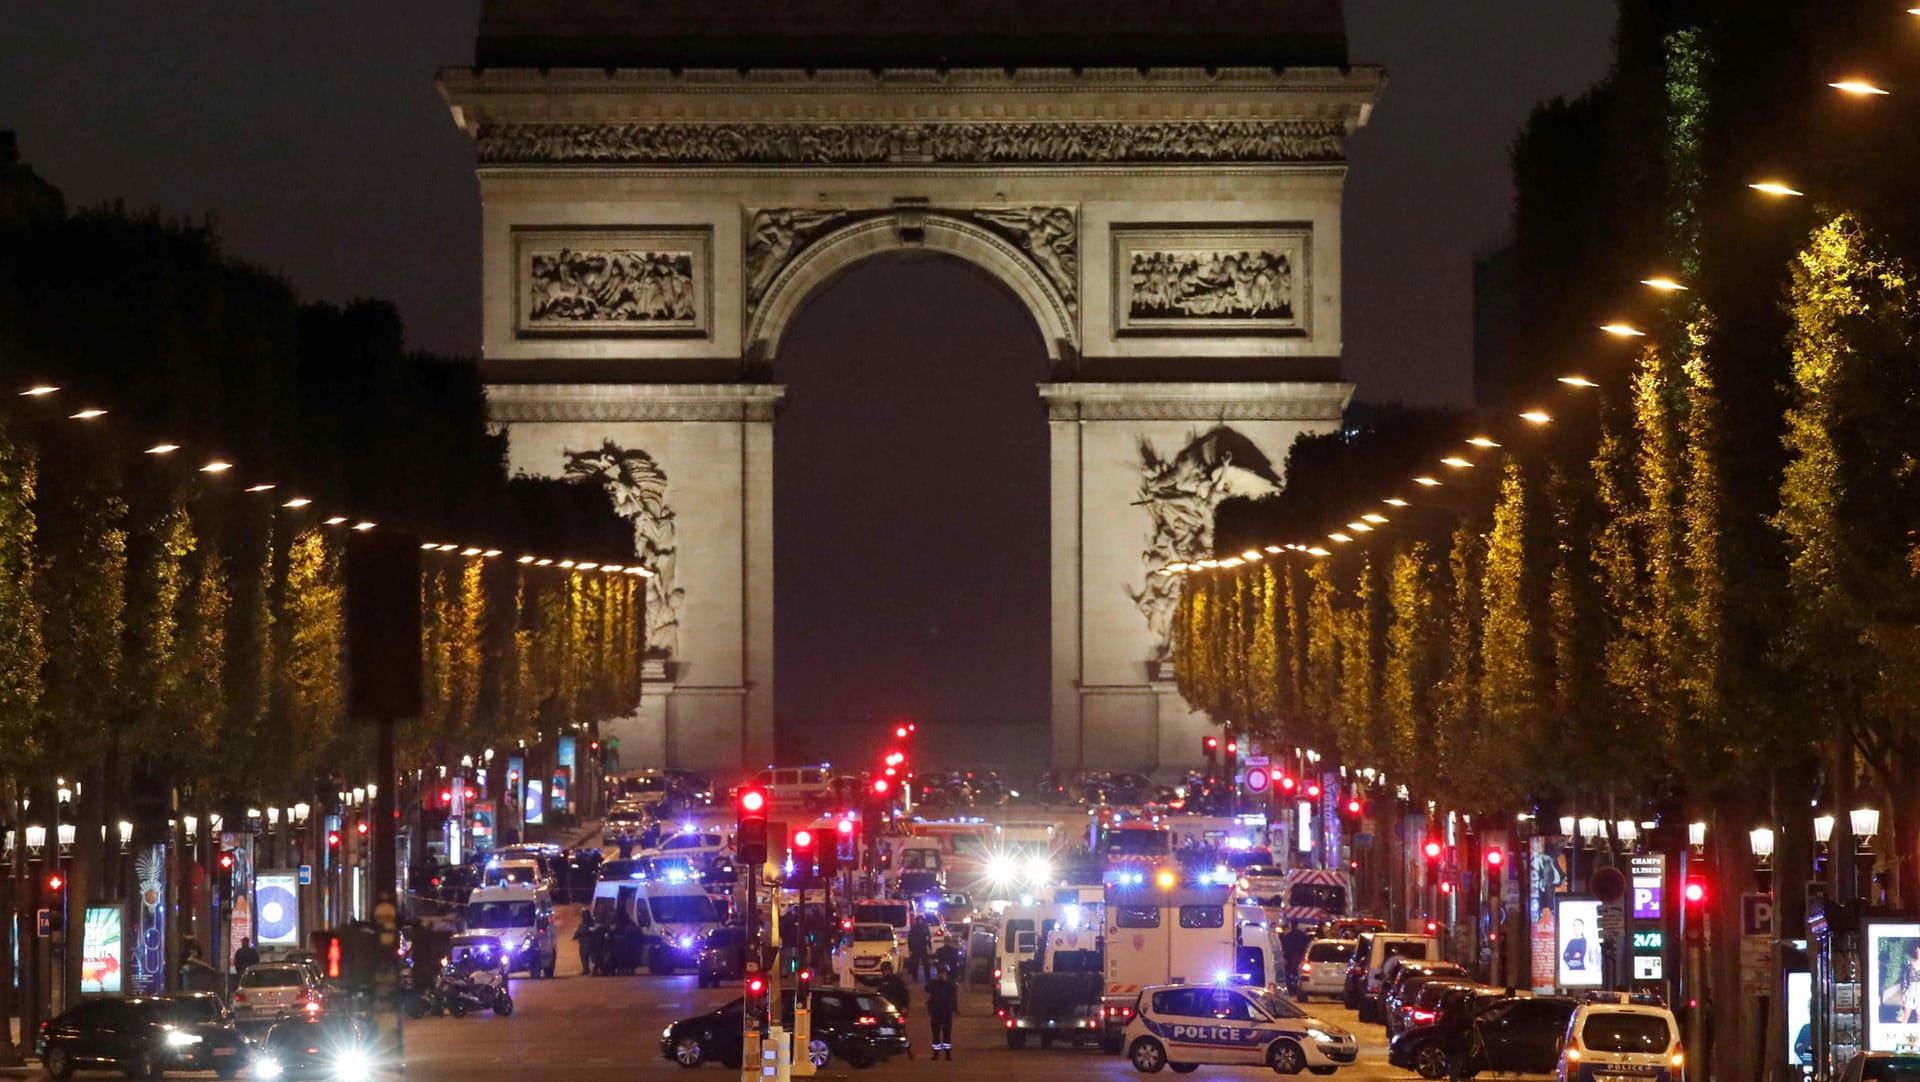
[1396,996]
[141,1037]
[859,1027]
[331,1045]
[723,956]
[1501,1033]
[220,1048]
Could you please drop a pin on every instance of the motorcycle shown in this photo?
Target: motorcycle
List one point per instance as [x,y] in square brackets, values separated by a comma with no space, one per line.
[470,980]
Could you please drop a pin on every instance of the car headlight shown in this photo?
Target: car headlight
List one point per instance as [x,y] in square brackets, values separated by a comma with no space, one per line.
[266,1067]
[352,1065]
[667,1033]
[686,942]
[1320,1036]
[179,1039]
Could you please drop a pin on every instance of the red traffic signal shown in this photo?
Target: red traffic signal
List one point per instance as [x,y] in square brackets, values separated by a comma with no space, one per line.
[1233,747]
[333,839]
[756,985]
[360,827]
[1433,927]
[226,860]
[1695,892]
[1495,858]
[56,882]
[333,957]
[446,796]
[803,981]
[1355,806]
[1433,849]
[752,801]
[881,787]
[1313,790]
[1286,784]
[1209,745]
[803,841]
[1446,886]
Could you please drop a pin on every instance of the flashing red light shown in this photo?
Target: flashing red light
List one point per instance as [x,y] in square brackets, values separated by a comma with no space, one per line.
[896,759]
[900,732]
[1433,927]
[1433,849]
[891,772]
[1495,858]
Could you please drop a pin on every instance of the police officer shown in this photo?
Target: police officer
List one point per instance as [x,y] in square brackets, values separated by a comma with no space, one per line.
[943,1001]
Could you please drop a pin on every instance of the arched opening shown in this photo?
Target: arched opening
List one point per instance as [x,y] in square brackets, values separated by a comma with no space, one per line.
[911,502]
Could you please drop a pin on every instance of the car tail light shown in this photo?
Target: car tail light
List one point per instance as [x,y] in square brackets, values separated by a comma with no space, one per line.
[866,1020]
[1573,1052]
[1002,1012]
[239,998]
[1422,1017]
[996,973]
[1306,969]
[1009,1023]
[1679,1058]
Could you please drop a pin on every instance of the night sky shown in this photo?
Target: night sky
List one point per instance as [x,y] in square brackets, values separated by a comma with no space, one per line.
[911,507]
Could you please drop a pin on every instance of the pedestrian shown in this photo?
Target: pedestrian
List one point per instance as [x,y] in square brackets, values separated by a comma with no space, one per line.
[919,948]
[948,958]
[1293,951]
[245,956]
[894,990]
[584,936]
[943,1002]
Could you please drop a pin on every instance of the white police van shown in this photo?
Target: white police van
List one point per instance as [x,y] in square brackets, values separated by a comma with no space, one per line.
[1184,1025]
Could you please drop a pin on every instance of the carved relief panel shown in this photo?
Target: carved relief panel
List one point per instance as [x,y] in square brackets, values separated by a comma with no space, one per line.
[1251,279]
[613,281]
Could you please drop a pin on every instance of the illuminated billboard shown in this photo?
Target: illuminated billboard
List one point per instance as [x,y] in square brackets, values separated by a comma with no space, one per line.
[1577,942]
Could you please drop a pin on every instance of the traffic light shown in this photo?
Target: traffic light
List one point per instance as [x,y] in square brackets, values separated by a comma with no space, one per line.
[1209,747]
[846,841]
[446,798]
[1432,850]
[1433,927]
[1354,807]
[56,882]
[801,845]
[1695,894]
[224,877]
[802,986]
[755,1008]
[750,835]
[333,839]
[1286,785]
[882,789]
[1495,858]
[1313,790]
[1446,886]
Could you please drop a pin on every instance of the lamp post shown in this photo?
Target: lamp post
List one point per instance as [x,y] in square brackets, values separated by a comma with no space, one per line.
[1865,823]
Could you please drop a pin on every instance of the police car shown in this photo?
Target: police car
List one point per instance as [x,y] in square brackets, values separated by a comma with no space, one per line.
[1612,1037]
[1184,1025]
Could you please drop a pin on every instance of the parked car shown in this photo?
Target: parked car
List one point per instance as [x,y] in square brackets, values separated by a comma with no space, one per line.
[1396,997]
[1605,1038]
[723,956]
[330,1046]
[1185,1025]
[142,1037]
[1503,1032]
[1324,970]
[1882,1067]
[269,991]
[861,1028]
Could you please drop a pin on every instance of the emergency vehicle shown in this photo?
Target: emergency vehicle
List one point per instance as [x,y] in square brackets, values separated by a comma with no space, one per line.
[1185,1025]
[1317,895]
[1162,935]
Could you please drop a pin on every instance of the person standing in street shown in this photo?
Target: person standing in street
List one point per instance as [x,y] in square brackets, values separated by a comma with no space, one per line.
[896,993]
[1293,951]
[245,956]
[943,1002]
[584,937]
[919,948]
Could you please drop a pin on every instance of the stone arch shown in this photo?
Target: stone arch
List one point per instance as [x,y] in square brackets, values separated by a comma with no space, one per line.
[834,252]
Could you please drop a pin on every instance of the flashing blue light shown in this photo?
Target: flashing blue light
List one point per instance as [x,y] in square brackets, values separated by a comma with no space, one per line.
[675,875]
[636,875]
[1221,976]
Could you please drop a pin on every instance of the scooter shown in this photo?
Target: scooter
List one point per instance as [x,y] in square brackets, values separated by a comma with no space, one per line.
[457,994]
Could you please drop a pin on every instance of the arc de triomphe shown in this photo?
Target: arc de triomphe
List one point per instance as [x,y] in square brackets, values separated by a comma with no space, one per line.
[664,185]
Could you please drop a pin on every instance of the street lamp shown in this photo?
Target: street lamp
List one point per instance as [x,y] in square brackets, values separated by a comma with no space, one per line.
[1823,829]
[66,833]
[1589,828]
[36,839]
[1761,839]
[1865,823]
[1697,836]
[301,811]
[192,825]
[126,834]
[1628,832]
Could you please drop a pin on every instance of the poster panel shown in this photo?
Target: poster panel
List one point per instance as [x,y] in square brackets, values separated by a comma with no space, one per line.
[1577,942]
[148,953]
[1799,1031]
[536,801]
[101,953]
[1893,987]
[276,897]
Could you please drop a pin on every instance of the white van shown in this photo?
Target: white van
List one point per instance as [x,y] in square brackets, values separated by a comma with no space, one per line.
[676,918]
[520,916]
[797,786]
[521,872]
[1019,939]
[1387,946]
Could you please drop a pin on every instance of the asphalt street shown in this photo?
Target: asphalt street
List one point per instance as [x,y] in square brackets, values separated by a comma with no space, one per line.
[592,1028]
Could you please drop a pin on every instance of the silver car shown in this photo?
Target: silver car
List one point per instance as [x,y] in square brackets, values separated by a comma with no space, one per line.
[270,990]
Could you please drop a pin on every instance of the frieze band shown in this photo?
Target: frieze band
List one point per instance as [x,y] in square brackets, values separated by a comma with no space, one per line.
[957,142]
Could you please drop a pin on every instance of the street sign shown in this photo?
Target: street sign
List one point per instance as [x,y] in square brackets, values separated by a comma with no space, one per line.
[1613,920]
[43,922]
[1756,915]
[1756,941]
[1649,872]
[306,875]
[1649,941]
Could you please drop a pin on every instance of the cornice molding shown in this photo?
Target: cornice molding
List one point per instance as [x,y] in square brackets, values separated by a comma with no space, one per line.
[1239,401]
[510,403]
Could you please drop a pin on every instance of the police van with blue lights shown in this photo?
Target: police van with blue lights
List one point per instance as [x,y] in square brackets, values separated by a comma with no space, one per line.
[1185,1025]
